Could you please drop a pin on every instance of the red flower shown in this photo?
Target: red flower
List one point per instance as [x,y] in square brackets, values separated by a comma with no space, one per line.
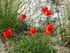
[49,13]
[46,33]
[8,33]
[9,45]
[49,29]
[33,32]
[22,18]
[44,10]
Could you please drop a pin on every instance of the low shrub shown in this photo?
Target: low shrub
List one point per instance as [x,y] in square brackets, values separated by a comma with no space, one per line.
[35,44]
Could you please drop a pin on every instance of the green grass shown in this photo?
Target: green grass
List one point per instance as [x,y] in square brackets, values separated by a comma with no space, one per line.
[35,44]
[8,15]
[54,1]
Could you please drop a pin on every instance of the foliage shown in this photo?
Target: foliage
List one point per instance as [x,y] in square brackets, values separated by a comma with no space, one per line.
[67,36]
[36,44]
[39,43]
[8,16]
[65,31]
[54,1]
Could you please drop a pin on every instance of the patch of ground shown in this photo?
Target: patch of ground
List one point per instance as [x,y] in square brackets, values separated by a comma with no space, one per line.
[2,48]
[60,49]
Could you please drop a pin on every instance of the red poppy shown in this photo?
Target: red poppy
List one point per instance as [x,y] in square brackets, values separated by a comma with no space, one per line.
[33,32]
[22,18]
[49,29]
[44,10]
[49,32]
[49,13]
[9,45]
[8,33]
[46,33]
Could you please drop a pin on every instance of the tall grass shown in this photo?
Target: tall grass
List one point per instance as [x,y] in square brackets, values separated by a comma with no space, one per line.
[8,15]
[36,44]
[66,31]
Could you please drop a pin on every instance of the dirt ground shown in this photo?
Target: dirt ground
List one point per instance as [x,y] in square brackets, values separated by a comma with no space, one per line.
[2,48]
[58,47]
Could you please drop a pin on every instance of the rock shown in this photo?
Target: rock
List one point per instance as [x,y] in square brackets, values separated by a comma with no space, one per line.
[32,10]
